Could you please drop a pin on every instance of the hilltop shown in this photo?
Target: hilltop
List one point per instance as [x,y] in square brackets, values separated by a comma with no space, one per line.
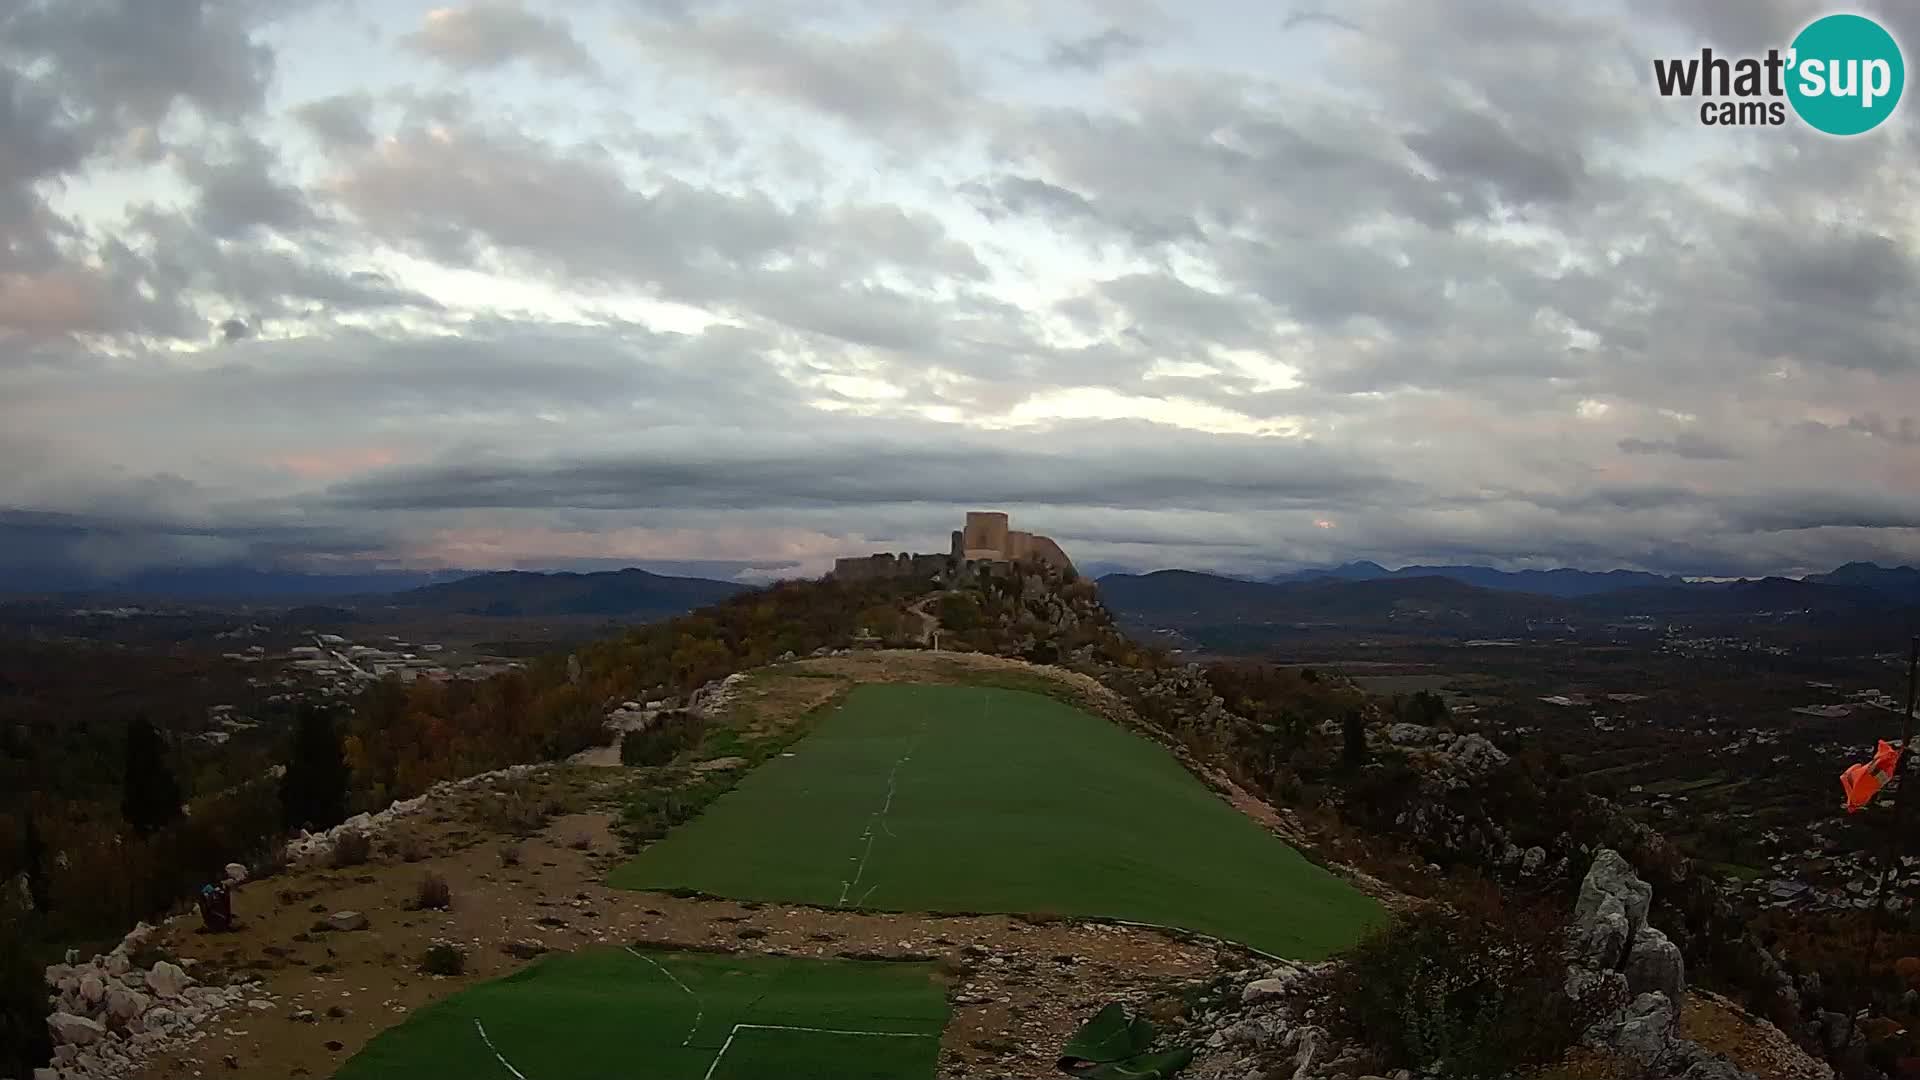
[1395,798]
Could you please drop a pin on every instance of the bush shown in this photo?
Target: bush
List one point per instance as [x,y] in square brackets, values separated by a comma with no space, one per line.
[509,854]
[442,958]
[1472,993]
[434,893]
[670,734]
[351,849]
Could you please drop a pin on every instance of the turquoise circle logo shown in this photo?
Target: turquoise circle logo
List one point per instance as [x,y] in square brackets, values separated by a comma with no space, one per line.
[1847,74]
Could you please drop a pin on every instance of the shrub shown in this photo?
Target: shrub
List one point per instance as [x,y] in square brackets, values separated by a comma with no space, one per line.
[351,848]
[443,958]
[1473,993]
[434,893]
[509,854]
[670,734]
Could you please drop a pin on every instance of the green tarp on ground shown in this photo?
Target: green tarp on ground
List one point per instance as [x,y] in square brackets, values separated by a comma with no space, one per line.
[1112,1047]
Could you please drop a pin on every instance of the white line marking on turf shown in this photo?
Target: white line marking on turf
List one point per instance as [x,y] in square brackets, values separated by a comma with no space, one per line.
[699,1007]
[721,1054]
[880,817]
[496,1053]
[738,1028]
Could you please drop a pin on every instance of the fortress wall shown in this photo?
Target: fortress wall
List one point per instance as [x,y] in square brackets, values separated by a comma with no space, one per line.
[1046,551]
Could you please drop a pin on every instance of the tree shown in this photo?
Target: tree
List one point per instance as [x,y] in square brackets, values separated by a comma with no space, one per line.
[313,792]
[150,796]
[33,853]
[1354,731]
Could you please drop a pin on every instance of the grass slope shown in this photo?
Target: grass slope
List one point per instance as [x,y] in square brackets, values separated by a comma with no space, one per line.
[966,799]
[612,1012]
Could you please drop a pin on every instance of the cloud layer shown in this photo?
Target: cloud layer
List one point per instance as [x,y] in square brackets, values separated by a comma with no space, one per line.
[334,285]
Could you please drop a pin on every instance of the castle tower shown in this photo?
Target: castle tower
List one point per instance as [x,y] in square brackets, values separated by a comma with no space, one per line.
[985,535]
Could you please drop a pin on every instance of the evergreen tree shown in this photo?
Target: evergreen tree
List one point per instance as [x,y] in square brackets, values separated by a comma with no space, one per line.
[150,797]
[1354,730]
[24,1041]
[34,853]
[313,793]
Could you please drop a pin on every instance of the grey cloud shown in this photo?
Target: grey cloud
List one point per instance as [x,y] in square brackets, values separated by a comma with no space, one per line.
[1904,431]
[1302,17]
[240,192]
[897,85]
[1095,51]
[343,121]
[457,195]
[1685,445]
[233,330]
[839,472]
[1478,149]
[128,62]
[493,33]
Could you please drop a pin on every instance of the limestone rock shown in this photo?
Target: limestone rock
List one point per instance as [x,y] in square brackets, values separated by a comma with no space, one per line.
[1646,1035]
[1409,734]
[167,980]
[1532,860]
[347,920]
[1612,875]
[1714,1069]
[75,1030]
[1260,990]
[1655,963]
[125,1005]
[92,989]
[1473,755]
[1603,936]
[1607,988]
[236,873]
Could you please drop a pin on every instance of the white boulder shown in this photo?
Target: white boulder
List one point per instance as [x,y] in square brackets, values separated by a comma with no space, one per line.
[167,980]
[74,1030]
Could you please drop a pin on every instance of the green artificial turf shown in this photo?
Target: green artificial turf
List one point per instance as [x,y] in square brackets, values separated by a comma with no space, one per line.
[968,799]
[615,1012]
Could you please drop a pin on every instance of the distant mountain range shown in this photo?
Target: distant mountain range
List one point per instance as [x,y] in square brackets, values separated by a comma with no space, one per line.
[1562,583]
[1481,601]
[1902,583]
[223,583]
[629,593]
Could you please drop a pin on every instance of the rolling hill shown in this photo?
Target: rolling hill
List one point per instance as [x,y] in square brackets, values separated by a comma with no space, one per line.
[630,593]
[1188,601]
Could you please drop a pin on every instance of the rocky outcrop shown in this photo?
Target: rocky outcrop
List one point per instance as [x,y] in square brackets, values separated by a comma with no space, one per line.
[108,1014]
[1621,962]
[1654,964]
[306,845]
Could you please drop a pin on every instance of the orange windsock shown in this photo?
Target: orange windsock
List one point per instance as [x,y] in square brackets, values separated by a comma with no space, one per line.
[1862,782]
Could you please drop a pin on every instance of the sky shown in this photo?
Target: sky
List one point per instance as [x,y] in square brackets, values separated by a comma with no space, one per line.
[736,288]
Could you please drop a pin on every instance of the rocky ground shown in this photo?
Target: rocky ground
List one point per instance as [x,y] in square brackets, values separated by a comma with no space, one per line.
[317,993]
[328,956]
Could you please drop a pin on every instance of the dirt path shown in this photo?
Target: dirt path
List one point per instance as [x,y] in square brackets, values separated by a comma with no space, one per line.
[929,622]
[1018,988]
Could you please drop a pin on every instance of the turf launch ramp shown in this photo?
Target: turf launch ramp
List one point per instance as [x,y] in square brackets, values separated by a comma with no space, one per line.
[976,800]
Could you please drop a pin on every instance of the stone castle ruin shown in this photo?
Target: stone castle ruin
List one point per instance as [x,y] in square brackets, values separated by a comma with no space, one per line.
[986,539]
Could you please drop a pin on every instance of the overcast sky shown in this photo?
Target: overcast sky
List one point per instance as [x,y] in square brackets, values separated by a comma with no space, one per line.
[743,287]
